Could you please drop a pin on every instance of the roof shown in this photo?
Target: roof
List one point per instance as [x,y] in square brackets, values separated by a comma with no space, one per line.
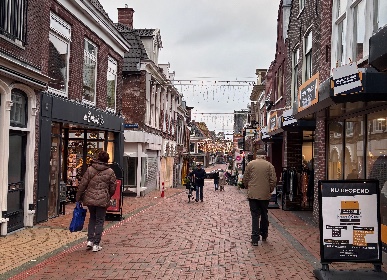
[137,52]
[100,8]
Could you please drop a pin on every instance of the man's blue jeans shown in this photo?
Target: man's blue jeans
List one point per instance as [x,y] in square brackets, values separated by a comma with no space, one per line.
[199,192]
[258,209]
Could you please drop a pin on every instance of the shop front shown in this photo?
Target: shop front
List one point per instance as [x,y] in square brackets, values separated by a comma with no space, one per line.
[351,130]
[71,135]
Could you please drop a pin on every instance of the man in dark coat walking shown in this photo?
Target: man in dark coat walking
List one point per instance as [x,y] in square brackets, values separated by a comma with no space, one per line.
[199,175]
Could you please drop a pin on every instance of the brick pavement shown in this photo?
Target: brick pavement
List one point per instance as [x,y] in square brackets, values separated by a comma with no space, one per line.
[172,239]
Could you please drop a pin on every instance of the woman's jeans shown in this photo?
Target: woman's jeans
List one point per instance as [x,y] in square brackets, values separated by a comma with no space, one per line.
[199,191]
[96,221]
[258,209]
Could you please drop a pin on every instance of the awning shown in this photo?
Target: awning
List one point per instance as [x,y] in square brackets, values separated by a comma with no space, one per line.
[374,89]
[134,154]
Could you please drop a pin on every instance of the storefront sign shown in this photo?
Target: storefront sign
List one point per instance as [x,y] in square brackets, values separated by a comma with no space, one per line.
[350,223]
[273,124]
[96,119]
[346,79]
[308,93]
[131,125]
[265,135]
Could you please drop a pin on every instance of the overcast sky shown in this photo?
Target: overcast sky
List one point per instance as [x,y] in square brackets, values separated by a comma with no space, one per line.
[222,40]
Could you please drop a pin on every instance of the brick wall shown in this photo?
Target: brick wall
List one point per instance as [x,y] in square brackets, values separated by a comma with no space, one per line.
[78,34]
[133,98]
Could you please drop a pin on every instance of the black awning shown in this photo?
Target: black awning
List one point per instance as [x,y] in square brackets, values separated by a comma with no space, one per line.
[378,51]
[374,89]
[301,125]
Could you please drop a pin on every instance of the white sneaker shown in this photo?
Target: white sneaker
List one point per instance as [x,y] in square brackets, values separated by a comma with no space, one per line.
[97,248]
[89,244]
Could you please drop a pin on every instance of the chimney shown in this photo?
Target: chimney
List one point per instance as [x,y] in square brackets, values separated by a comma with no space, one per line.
[125,16]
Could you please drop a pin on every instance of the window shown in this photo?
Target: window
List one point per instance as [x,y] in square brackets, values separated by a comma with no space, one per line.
[279,83]
[111,84]
[341,42]
[308,56]
[58,60]
[341,7]
[19,109]
[13,20]
[335,150]
[377,125]
[354,149]
[359,30]
[295,57]
[302,4]
[382,13]
[89,72]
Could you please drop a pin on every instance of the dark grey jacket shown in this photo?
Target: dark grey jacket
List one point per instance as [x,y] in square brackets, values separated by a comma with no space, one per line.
[97,186]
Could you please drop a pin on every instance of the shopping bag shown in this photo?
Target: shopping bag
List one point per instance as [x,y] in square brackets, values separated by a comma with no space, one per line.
[79,216]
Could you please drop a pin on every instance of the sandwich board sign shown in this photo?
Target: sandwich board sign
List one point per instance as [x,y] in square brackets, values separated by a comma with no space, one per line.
[350,222]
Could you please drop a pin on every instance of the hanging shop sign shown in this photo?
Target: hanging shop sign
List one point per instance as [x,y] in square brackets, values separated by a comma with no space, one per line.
[346,80]
[250,131]
[273,123]
[308,93]
[265,134]
[350,221]
[288,118]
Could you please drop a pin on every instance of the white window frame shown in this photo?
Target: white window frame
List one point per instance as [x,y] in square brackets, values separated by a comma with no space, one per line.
[307,59]
[301,4]
[111,73]
[381,6]
[295,63]
[61,30]
[93,58]
[13,25]
[355,7]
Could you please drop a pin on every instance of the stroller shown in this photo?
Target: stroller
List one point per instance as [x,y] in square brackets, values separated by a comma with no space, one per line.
[231,180]
[190,186]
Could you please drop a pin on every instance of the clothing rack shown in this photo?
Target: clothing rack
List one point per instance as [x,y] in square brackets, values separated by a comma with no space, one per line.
[297,188]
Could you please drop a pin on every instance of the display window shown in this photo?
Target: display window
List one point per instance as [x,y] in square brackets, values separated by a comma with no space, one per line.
[354,149]
[335,150]
[72,149]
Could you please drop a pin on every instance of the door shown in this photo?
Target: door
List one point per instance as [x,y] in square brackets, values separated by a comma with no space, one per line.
[16,175]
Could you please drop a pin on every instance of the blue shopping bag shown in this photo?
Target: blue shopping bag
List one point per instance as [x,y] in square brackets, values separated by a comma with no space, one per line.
[79,216]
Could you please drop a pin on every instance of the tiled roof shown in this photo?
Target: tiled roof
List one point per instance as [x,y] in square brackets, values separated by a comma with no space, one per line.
[100,8]
[151,33]
[137,51]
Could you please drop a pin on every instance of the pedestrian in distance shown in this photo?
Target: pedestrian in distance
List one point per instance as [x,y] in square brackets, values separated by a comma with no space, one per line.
[259,179]
[97,186]
[222,180]
[216,179]
[199,174]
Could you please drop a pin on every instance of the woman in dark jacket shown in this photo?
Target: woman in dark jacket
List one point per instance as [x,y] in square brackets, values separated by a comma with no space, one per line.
[97,186]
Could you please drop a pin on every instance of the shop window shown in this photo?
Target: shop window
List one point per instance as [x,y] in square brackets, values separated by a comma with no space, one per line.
[308,56]
[335,151]
[377,149]
[354,149]
[382,13]
[111,84]
[295,58]
[19,109]
[130,171]
[13,14]
[359,25]
[58,60]
[89,72]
